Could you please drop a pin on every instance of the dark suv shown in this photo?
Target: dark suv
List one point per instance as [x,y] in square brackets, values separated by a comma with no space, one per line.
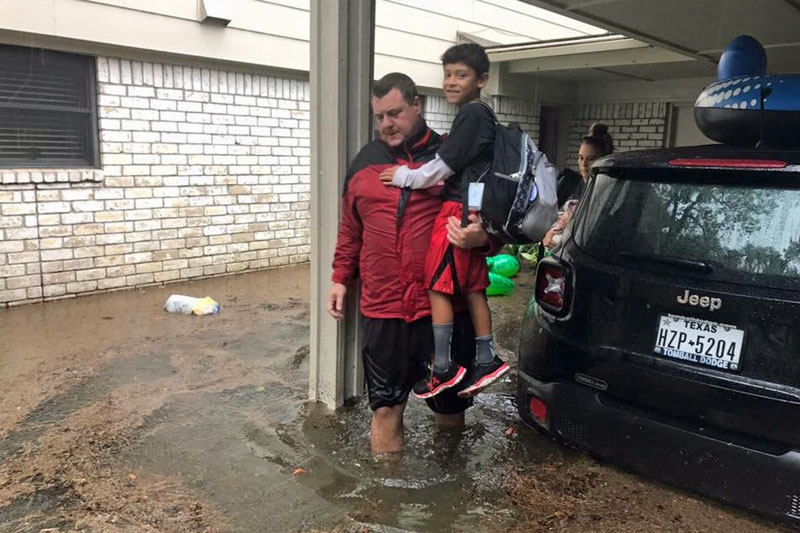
[665,334]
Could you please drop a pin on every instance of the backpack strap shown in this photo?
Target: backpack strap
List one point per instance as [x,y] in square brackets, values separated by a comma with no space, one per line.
[465,183]
[487,106]
[405,194]
[465,201]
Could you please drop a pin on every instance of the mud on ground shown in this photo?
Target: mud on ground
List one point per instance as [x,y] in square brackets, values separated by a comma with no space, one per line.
[570,492]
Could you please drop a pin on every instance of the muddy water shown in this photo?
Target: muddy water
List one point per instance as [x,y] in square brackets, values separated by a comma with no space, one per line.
[241,446]
[444,481]
[31,335]
[216,407]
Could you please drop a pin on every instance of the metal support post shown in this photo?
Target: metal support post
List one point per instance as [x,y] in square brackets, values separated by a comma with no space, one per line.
[342,36]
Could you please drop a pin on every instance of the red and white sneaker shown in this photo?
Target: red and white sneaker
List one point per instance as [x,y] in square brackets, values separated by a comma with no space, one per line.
[482,376]
[437,382]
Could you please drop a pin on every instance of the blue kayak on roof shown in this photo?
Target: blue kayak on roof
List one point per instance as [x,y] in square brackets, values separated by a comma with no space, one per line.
[744,56]
[744,92]
[746,106]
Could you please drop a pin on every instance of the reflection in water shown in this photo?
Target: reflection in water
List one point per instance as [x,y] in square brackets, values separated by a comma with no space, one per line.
[743,229]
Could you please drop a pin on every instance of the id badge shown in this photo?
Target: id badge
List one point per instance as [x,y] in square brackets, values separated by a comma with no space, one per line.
[475,196]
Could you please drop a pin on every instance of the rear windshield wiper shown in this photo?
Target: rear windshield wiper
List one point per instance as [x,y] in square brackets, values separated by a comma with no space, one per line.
[686,264]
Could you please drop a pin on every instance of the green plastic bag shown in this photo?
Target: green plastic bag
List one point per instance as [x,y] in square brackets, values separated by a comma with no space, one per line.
[499,285]
[503,264]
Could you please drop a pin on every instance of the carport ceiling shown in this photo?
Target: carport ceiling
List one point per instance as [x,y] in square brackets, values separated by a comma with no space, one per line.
[696,28]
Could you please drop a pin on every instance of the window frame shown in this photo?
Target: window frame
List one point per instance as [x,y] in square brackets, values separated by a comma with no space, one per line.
[90,111]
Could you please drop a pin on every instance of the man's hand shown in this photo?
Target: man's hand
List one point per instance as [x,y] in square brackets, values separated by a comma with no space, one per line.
[387,175]
[336,300]
[473,236]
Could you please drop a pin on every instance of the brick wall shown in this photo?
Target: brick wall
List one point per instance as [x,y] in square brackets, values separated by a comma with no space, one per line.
[204,172]
[523,112]
[439,114]
[633,125]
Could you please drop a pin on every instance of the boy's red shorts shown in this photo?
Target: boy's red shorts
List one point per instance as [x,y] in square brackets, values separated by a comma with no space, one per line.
[471,271]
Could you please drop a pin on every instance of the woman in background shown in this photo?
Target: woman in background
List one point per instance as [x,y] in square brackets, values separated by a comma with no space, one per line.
[571,185]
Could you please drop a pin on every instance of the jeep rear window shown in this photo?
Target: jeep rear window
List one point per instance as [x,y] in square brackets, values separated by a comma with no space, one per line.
[750,232]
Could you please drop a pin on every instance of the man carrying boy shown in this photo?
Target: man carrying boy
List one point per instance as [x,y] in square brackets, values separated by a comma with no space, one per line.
[383,238]
[462,159]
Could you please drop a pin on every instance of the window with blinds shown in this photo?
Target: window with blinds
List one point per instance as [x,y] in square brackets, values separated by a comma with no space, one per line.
[47,109]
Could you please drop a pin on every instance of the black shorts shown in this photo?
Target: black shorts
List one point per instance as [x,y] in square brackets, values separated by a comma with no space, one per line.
[396,353]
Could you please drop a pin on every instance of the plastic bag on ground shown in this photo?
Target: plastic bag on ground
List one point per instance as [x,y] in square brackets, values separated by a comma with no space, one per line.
[499,285]
[503,264]
[187,305]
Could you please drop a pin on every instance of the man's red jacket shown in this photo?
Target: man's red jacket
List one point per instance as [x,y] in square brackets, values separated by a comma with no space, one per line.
[388,256]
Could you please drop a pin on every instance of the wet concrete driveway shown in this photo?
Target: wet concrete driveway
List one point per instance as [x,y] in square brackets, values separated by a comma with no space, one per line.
[116,416]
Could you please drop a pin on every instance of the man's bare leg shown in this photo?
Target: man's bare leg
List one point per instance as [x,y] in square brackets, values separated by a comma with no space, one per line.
[386,431]
[455,421]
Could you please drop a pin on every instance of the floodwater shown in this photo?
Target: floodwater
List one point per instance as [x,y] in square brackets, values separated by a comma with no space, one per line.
[116,416]
[215,409]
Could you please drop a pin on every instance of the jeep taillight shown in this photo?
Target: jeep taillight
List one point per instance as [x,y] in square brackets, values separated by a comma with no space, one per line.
[538,411]
[553,287]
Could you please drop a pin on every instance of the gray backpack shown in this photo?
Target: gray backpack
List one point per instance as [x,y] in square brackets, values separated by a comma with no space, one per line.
[519,199]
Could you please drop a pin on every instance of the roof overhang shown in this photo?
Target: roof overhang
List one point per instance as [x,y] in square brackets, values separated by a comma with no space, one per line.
[688,28]
[594,52]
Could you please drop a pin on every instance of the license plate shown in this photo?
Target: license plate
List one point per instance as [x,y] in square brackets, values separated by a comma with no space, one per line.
[699,341]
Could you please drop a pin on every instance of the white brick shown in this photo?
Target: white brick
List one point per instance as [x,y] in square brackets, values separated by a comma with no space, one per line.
[84,286]
[169,77]
[56,255]
[109,124]
[134,102]
[91,205]
[18,209]
[8,271]
[143,92]
[204,118]
[116,136]
[144,114]
[53,207]
[139,279]
[111,283]
[107,100]
[136,170]
[164,105]
[163,170]
[91,274]
[54,290]
[117,159]
[169,94]
[222,98]
[164,126]
[12,295]
[146,159]
[136,125]
[22,233]
[23,257]
[193,159]
[193,107]
[171,116]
